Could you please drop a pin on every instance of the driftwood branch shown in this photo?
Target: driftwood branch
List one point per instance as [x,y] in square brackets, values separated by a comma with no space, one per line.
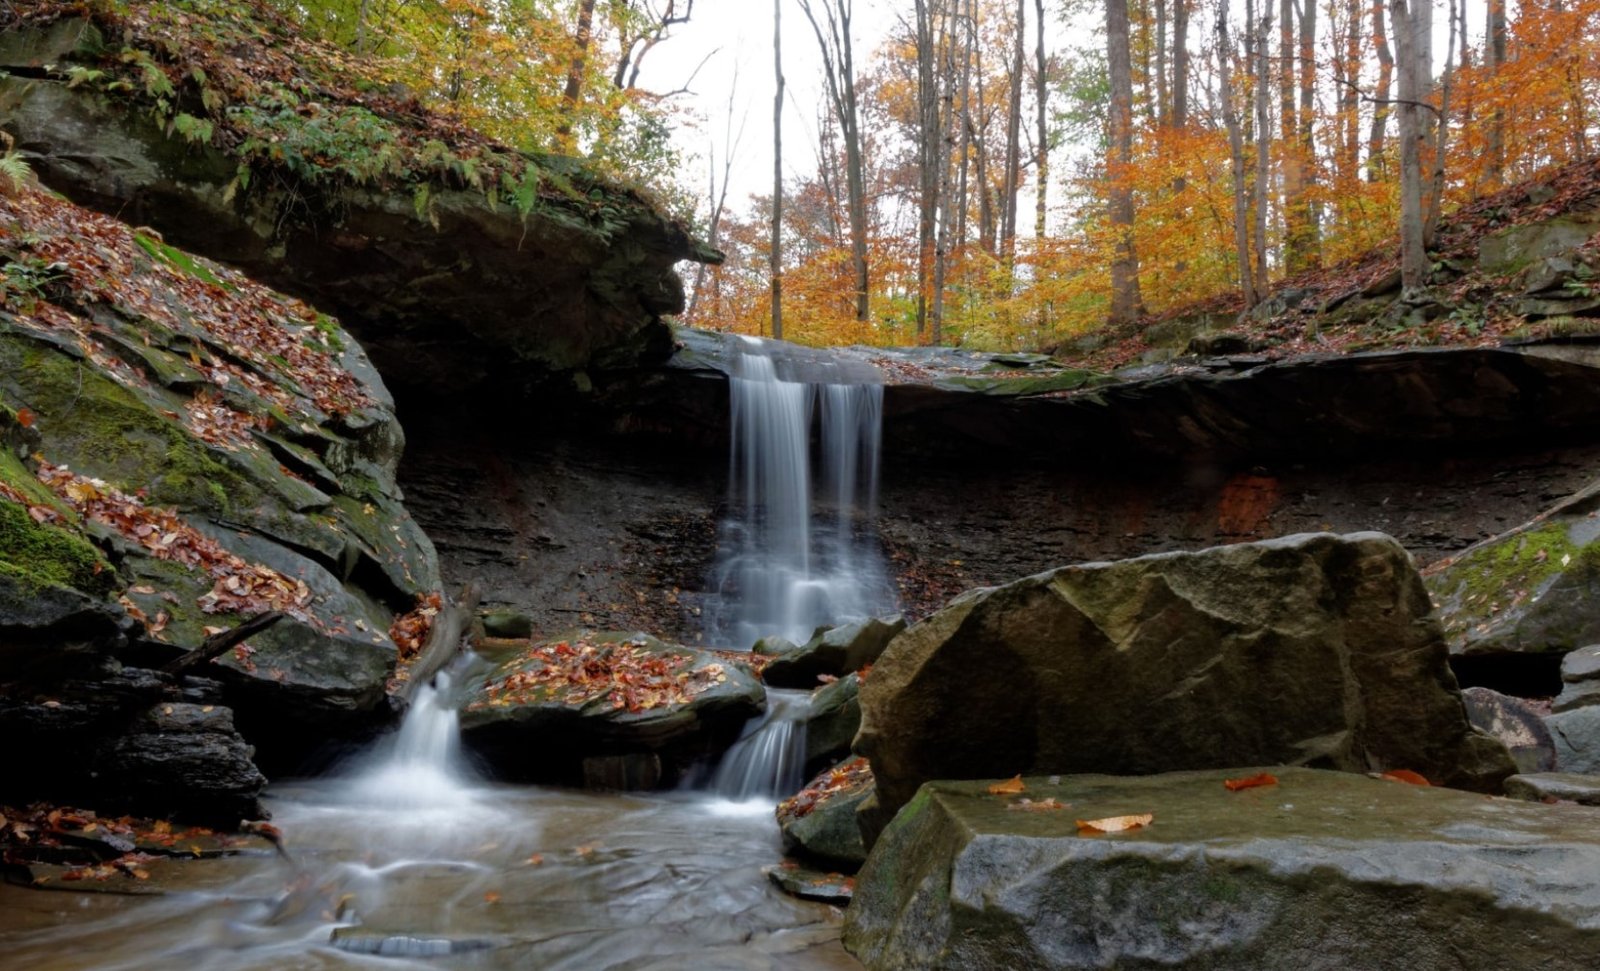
[218,644]
[445,639]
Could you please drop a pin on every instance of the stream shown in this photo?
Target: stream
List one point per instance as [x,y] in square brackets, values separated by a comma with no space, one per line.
[407,862]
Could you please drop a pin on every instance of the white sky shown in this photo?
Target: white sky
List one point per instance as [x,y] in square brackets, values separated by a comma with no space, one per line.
[740,34]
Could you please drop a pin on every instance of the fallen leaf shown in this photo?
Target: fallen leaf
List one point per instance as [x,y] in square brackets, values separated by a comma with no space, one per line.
[1010,787]
[1251,782]
[490,897]
[1406,776]
[25,417]
[536,859]
[1115,824]
[1039,805]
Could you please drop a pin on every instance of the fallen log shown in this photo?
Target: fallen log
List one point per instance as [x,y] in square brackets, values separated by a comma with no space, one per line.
[218,644]
[446,638]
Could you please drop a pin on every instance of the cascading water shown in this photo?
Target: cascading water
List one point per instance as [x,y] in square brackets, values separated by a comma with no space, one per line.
[421,767]
[769,760]
[795,554]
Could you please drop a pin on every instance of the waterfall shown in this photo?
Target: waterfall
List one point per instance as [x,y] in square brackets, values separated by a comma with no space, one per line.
[768,761]
[421,766]
[797,549]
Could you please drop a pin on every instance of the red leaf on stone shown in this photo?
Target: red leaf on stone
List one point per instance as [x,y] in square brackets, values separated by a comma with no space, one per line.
[1251,782]
[1406,776]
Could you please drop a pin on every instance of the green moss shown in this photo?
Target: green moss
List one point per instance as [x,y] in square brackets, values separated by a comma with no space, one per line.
[1495,577]
[40,553]
[102,429]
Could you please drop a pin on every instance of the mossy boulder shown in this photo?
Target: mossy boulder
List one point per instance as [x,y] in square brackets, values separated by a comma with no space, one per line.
[1532,590]
[1314,649]
[831,652]
[183,448]
[546,709]
[1321,870]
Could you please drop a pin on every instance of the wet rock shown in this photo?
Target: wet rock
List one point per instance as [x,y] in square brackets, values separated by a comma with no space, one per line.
[1547,786]
[1516,723]
[1533,589]
[1323,870]
[1580,677]
[1518,246]
[832,721]
[1315,650]
[1576,734]
[835,652]
[594,705]
[181,760]
[507,623]
[808,883]
[361,940]
[818,823]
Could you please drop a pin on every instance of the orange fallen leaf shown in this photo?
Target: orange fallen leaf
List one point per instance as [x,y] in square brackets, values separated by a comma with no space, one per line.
[585,850]
[1010,787]
[1251,782]
[1115,824]
[25,417]
[1406,776]
[536,859]
[490,897]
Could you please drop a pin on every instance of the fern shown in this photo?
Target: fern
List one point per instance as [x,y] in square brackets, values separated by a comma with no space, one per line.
[13,170]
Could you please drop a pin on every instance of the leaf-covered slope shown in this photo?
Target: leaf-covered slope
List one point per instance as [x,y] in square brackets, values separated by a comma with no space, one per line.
[455,256]
[193,448]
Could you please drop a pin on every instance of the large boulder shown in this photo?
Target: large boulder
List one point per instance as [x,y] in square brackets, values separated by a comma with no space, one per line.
[1533,589]
[458,260]
[818,823]
[183,449]
[588,707]
[1314,650]
[1321,870]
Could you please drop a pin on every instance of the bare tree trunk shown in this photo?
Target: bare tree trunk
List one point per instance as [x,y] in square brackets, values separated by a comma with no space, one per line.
[838,64]
[929,141]
[1310,239]
[1495,60]
[1013,175]
[1124,263]
[1294,209]
[949,122]
[1041,92]
[1380,107]
[1230,118]
[776,257]
[1163,93]
[1263,147]
[1435,187]
[1413,249]
[1348,76]
[575,72]
[1180,63]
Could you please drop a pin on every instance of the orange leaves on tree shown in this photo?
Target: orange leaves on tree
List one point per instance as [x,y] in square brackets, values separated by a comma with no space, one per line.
[1010,787]
[1405,775]
[1114,824]
[1251,782]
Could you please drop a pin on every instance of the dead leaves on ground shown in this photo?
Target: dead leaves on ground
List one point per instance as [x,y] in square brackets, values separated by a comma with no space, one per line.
[630,676]
[847,777]
[239,587]
[1010,787]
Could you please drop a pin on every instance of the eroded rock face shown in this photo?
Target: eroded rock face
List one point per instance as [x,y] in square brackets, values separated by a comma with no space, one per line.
[1315,650]
[449,294]
[1322,870]
[181,451]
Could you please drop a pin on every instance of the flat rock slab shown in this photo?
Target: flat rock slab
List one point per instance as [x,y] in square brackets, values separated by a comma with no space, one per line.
[1321,870]
[1566,786]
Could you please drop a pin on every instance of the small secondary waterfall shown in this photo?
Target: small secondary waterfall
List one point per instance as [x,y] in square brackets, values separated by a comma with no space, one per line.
[421,767]
[769,760]
[797,549]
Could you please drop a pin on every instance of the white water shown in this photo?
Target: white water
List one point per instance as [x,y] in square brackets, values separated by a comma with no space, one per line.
[768,761]
[421,767]
[797,549]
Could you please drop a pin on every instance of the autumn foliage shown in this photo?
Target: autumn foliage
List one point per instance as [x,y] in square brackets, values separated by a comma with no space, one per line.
[627,677]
